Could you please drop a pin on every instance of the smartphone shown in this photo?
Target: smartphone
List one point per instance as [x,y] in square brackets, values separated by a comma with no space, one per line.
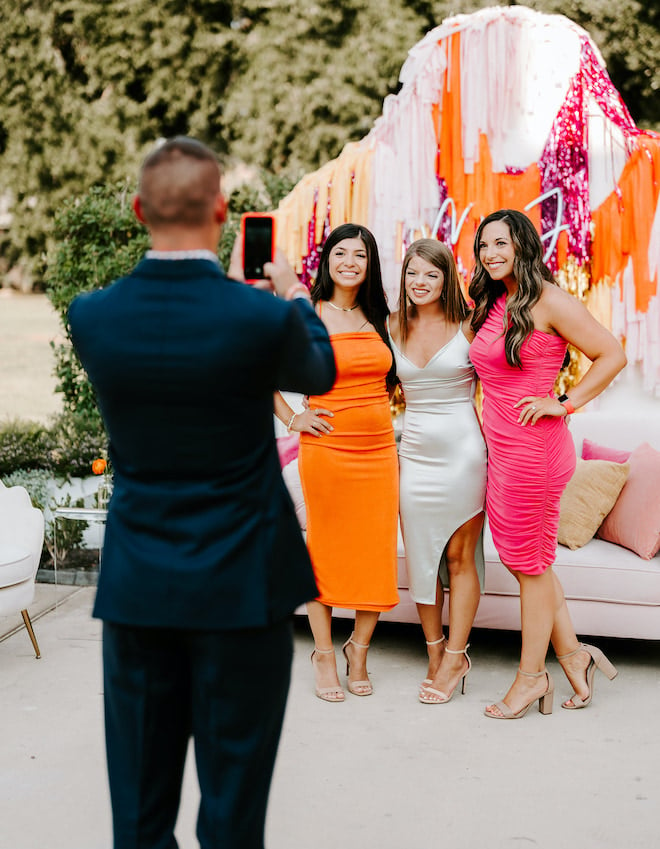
[258,231]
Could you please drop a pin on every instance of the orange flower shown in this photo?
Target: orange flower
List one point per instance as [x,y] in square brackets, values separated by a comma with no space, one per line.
[99,466]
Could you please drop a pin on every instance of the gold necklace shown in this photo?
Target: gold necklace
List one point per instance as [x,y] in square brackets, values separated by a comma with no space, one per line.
[342,309]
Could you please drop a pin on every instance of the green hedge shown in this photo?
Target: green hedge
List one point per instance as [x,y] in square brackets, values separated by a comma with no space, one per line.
[98,240]
[65,449]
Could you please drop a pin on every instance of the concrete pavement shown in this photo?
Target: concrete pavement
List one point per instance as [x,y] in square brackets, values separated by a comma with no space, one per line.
[383,771]
[28,324]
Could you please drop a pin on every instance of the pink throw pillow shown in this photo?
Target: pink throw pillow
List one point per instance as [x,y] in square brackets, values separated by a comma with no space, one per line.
[594,451]
[287,448]
[634,521]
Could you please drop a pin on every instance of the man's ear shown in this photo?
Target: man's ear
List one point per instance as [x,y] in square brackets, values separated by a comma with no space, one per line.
[137,209]
[220,209]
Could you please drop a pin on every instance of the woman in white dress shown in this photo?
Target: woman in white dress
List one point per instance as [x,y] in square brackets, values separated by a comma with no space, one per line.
[442,460]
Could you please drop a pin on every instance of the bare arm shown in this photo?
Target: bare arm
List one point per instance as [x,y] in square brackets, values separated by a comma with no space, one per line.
[571,320]
[282,279]
[309,421]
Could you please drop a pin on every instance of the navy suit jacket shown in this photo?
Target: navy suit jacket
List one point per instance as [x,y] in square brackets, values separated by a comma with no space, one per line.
[201,532]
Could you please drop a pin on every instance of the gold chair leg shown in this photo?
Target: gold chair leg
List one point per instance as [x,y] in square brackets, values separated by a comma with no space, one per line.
[28,625]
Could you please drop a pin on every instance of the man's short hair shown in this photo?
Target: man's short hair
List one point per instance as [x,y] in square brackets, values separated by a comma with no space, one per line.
[179,183]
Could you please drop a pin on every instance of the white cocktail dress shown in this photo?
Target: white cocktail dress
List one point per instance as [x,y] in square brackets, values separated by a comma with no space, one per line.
[442,459]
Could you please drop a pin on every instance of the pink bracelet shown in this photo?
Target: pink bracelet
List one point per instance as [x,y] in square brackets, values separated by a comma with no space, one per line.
[565,401]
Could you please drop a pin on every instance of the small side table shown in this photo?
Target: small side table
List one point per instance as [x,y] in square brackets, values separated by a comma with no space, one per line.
[78,514]
[96,515]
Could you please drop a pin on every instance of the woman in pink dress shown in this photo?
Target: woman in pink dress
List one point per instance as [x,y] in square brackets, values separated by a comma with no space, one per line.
[523,322]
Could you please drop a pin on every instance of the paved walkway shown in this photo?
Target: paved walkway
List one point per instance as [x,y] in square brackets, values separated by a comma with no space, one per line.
[375,773]
[28,325]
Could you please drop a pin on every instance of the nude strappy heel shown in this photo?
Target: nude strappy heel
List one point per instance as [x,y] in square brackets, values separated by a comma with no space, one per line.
[545,700]
[430,696]
[327,694]
[596,660]
[358,688]
[438,642]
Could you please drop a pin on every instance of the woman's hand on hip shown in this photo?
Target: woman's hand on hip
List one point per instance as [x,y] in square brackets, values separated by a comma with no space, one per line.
[532,408]
[312,421]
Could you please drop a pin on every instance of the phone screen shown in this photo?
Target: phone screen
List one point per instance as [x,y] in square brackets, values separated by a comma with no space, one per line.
[257,246]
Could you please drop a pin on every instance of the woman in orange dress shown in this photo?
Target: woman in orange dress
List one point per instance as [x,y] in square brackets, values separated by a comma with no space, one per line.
[348,460]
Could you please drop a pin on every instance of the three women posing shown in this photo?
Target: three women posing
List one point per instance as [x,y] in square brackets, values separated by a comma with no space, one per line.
[519,330]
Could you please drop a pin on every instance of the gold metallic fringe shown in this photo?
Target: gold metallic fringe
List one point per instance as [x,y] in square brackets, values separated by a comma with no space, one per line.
[397,402]
[576,280]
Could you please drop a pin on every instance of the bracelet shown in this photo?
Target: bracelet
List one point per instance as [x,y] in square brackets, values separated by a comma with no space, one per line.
[565,401]
[292,291]
[288,427]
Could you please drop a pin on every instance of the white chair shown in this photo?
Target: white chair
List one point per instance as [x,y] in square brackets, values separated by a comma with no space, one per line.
[21,543]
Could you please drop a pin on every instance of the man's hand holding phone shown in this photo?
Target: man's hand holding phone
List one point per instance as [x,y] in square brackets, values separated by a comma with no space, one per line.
[279,276]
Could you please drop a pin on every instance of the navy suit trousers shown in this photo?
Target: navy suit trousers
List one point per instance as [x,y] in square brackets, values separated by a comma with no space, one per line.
[226,689]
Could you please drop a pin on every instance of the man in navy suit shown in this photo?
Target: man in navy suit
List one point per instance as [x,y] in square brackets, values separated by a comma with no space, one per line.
[204,562]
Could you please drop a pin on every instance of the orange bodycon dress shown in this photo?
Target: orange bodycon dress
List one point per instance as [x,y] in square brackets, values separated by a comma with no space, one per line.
[350,481]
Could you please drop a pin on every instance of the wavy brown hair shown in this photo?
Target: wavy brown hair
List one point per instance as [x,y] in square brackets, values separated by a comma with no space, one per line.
[530,273]
[371,295]
[452,301]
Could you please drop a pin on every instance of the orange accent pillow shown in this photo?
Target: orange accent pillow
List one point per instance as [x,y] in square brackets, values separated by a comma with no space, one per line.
[634,521]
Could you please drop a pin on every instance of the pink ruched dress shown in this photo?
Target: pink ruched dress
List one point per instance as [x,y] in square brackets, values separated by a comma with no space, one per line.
[528,465]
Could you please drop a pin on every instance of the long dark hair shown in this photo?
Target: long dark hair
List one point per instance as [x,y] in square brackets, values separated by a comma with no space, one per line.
[453,303]
[530,273]
[371,295]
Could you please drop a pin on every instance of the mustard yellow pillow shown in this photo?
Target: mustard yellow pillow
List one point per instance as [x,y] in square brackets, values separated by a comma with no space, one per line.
[589,496]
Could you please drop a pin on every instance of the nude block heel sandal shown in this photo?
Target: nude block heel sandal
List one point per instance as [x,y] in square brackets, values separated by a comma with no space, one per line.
[358,688]
[597,660]
[545,700]
[430,696]
[327,694]
[428,681]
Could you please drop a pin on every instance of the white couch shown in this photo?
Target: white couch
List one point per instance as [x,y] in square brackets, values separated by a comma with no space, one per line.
[610,590]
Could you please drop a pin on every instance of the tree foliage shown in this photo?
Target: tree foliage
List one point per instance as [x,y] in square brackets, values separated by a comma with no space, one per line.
[98,239]
[315,75]
[87,86]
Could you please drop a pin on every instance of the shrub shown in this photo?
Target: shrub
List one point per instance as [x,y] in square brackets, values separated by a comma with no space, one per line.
[78,439]
[65,449]
[70,532]
[39,484]
[99,239]
[24,445]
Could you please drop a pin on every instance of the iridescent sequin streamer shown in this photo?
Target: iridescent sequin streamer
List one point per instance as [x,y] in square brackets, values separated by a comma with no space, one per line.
[564,164]
[310,263]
